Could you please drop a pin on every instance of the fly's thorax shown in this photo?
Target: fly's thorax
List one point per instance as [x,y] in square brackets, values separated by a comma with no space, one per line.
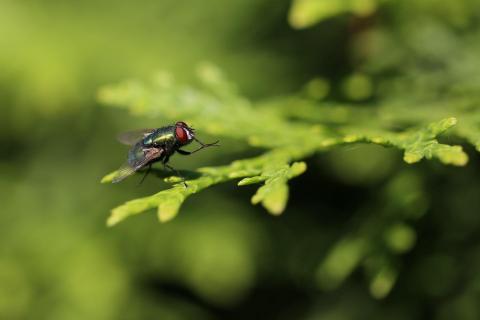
[161,137]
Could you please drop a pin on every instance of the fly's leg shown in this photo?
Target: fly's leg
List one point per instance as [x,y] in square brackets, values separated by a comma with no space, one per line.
[174,171]
[202,146]
[183,152]
[146,174]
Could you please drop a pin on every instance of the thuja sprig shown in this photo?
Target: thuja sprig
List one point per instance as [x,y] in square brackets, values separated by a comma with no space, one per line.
[215,107]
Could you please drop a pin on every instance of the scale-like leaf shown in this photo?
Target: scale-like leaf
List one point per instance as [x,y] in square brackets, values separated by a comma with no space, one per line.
[219,110]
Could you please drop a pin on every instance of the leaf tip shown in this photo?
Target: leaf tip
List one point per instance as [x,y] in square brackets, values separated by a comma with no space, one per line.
[113,219]
[168,209]
[275,208]
[452,121]
[243,182]
[297,168]
[109,177]
[410,157]
[251,180]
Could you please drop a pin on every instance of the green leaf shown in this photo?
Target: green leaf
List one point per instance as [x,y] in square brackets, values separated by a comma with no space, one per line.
[109,177]
[218,109]
[340,262]
[274,193]
[383,282]
[305,13]
[169,201]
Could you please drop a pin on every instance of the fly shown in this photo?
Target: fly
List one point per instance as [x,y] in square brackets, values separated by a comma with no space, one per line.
[156,145]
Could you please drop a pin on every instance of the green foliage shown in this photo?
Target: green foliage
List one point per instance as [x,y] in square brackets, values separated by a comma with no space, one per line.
[216,108]
[305,13]
[389,79]
[378,239]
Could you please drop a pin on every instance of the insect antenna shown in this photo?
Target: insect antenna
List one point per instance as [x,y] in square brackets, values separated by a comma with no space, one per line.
[205,145]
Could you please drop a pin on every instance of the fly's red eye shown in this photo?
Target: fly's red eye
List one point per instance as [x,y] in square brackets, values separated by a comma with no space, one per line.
[181,124]
[181,134]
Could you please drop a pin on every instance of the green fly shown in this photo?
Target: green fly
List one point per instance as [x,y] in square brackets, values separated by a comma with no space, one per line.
[156,145]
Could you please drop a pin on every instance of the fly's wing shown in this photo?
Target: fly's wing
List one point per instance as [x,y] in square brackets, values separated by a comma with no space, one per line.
[131,167]
[131,137]
[124,171]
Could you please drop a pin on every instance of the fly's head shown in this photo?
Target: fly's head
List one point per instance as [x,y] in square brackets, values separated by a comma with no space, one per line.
[184,133]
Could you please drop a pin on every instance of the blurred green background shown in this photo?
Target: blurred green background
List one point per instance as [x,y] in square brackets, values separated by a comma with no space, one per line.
[222,258]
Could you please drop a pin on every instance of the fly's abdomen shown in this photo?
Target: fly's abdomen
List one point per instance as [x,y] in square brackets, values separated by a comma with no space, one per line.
[136,154]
